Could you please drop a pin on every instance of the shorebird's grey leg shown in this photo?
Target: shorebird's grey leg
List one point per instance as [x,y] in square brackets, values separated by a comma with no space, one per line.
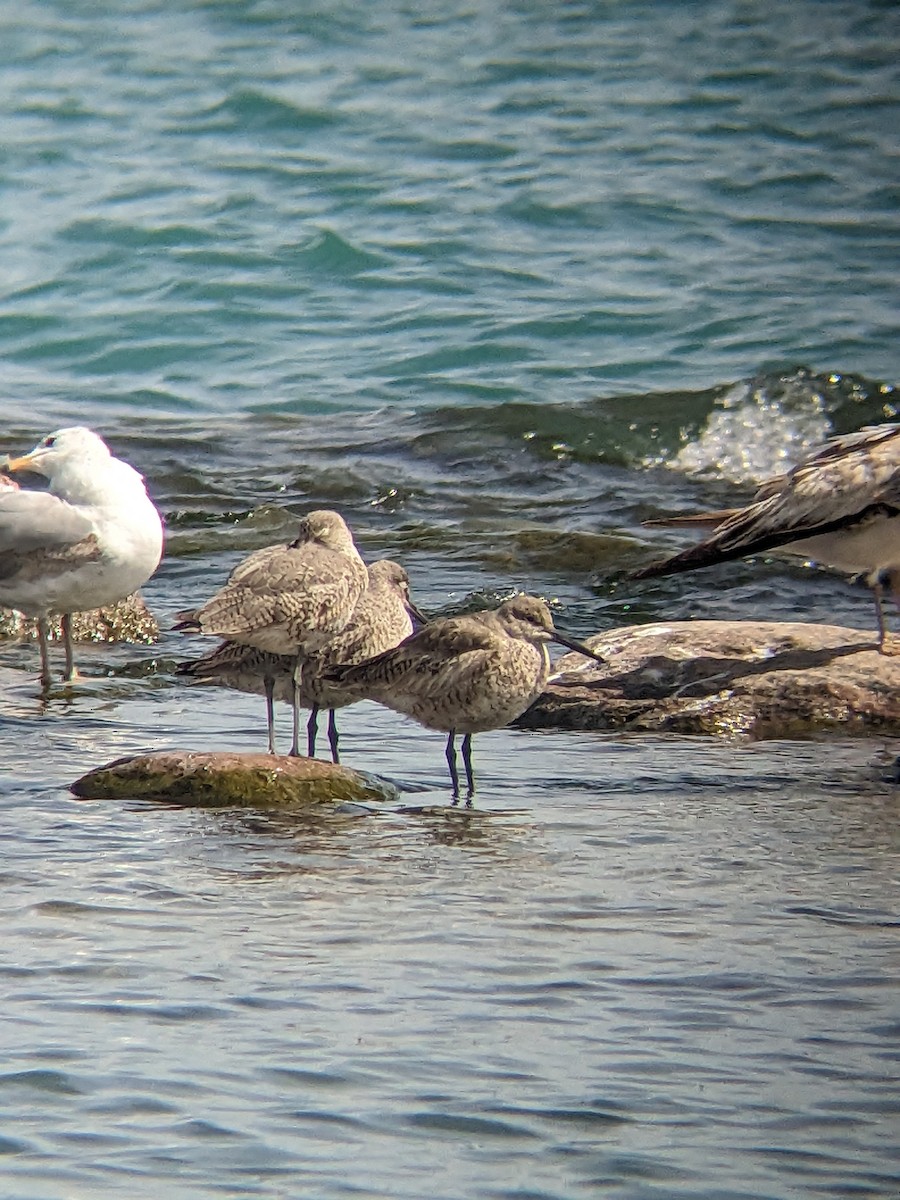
[878,593]
[887,644]
[312,731]
[333,736]
[46,677]
[71,673]
[451,763]
[269,684]
[295,741]
[467,760]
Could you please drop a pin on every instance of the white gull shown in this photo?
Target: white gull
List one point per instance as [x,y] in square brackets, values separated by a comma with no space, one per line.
[91,539]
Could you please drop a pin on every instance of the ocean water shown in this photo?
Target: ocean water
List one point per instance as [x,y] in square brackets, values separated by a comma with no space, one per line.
[499,281]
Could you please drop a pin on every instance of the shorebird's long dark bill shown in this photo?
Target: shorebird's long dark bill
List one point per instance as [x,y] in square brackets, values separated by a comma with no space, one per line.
[417,615]
[573,645]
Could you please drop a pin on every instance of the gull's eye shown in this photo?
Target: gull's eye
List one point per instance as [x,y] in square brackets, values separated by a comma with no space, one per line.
[48,442]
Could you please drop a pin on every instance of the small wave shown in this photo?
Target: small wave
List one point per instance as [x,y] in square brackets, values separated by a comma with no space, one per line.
[259,110]
[329,252]
[760,427]
[127,236]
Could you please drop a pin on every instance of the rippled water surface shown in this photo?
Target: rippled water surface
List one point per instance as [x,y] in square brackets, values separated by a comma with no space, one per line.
[650,969]
[499,281]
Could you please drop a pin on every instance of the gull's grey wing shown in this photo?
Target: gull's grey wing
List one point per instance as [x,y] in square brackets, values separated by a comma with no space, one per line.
[37,521]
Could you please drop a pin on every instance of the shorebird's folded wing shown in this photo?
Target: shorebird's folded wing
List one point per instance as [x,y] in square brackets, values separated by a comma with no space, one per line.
[420,663]
[850,479]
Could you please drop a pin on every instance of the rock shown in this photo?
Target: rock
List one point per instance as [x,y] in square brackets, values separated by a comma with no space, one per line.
[128,621]
[223,779]
[752,678]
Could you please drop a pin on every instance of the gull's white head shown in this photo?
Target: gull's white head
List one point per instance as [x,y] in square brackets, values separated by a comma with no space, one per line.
[80,468]
[57,450]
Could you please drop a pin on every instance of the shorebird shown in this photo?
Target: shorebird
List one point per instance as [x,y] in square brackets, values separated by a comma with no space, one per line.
[288,599]
[90,540]
[383,616]
[464,675]
[840,507]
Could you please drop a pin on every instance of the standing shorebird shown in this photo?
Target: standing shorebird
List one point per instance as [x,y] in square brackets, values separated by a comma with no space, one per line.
[91,539]
[839,507]
[383,617]
[464,674]
[288,600]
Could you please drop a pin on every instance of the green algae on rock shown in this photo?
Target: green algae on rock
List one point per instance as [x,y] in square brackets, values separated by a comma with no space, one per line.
[221,779]
[757,679]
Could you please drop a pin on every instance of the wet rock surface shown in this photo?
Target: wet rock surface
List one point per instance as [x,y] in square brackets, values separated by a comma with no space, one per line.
[223,778]
[130,620]
[750,678]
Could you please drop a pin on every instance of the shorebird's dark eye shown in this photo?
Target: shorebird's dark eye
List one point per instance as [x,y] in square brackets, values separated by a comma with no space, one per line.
[49,441]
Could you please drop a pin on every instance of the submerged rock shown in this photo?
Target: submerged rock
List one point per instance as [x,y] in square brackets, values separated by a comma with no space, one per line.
[753,678]
[222,779]
[130,620]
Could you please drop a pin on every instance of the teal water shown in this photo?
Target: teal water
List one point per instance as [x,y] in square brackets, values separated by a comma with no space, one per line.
[262,206]
[499,281]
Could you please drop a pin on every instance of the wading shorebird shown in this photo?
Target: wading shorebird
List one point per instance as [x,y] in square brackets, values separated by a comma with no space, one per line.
[464,675]
[383,616]
[839,507]
[91,539]
[289,599]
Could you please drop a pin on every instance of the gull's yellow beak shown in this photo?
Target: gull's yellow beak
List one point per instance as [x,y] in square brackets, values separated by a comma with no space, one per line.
[25,463]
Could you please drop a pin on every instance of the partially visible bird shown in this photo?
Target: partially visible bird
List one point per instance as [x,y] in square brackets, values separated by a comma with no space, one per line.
[91,539]
[464,675]
[383,616]
[288,599]
[839,507]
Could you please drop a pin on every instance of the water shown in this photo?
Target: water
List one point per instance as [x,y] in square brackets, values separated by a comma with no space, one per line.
[499,282]
[655,970]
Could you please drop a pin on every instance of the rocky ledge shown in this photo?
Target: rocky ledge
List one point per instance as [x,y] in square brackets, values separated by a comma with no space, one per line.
[128,621]
[223,779]
[729,678]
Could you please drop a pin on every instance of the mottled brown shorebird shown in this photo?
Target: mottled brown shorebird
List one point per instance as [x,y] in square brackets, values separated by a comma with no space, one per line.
[289,599]
[383,616]
[464,675]
[839,507]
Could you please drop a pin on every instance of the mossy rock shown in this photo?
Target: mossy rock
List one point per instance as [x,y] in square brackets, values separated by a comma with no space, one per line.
[223,779]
